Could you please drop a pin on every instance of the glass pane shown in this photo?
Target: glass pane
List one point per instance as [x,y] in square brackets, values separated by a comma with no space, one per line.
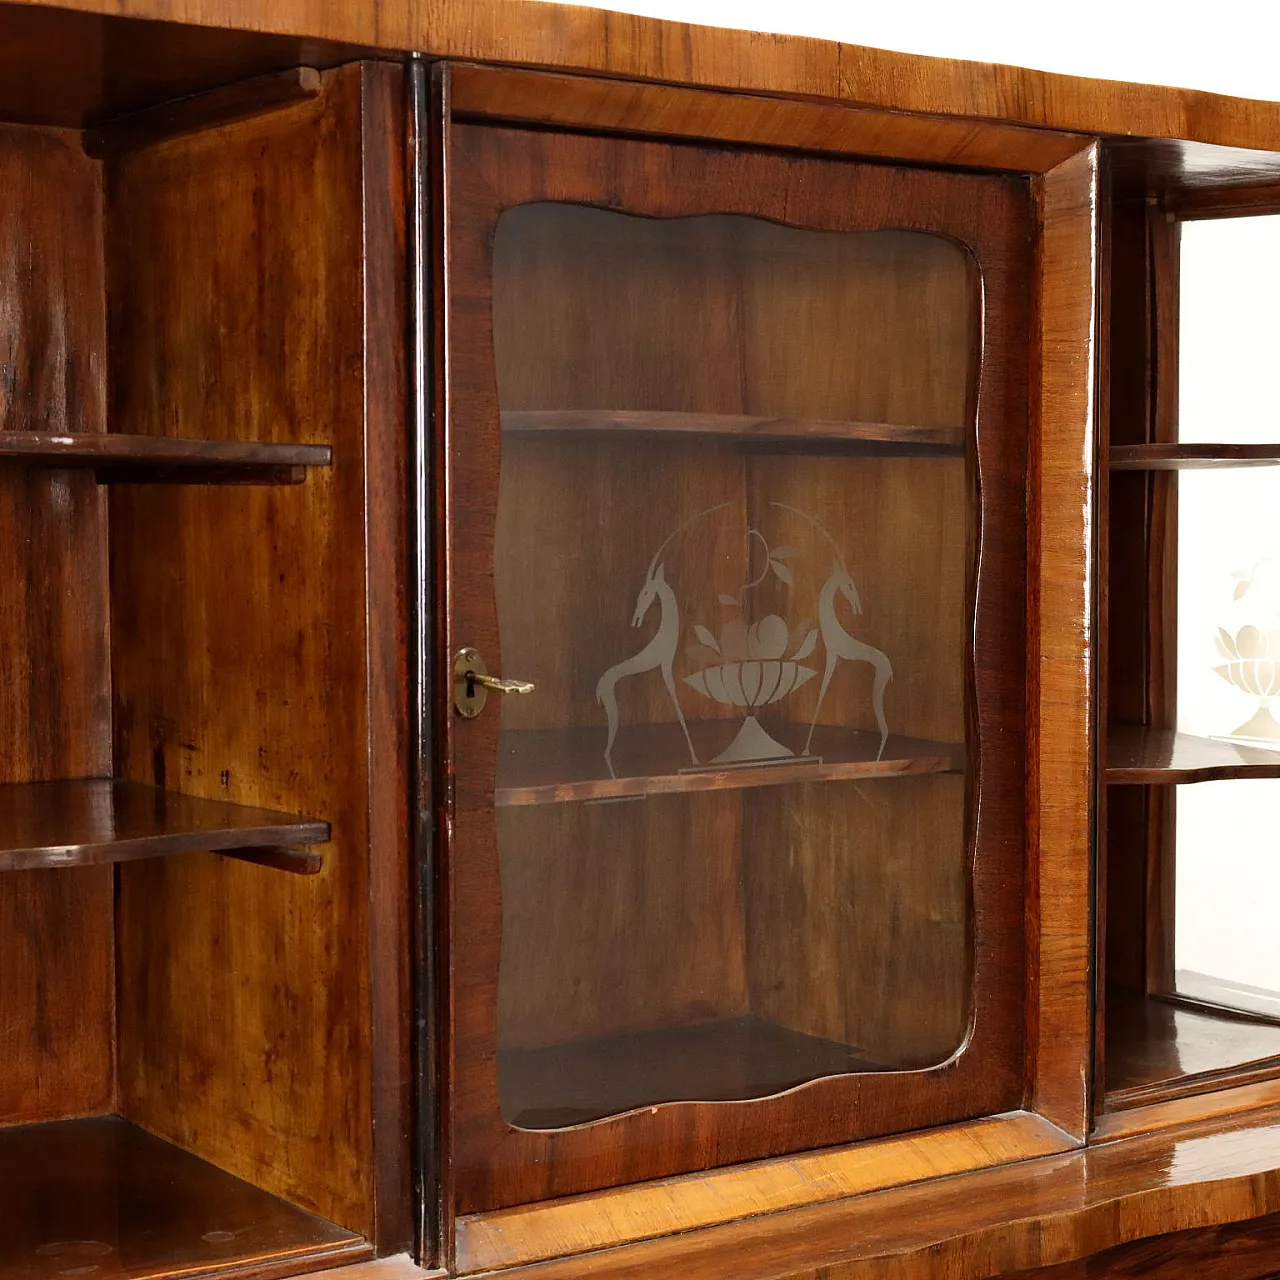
[1227,877]
[732,555]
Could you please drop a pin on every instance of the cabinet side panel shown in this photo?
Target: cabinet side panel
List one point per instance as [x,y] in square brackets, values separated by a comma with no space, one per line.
[55,1016]
[241,646]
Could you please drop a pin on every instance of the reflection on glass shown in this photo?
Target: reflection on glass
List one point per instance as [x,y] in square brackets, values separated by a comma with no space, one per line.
[732,555]
[1227,877]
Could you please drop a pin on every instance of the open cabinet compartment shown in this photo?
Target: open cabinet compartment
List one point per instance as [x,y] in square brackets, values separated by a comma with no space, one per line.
[1165,1032]
[191,657]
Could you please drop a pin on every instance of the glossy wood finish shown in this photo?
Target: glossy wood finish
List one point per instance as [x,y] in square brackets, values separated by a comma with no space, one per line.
[56,1051]
[240,101]
[1250,201]
[532,762]
[1049,1211]
[627,46]
[257,651]
[1178,457]
[1221,1102]
[101,1197]
[1137,754]
[108,67]
[1237,1251]
[569,102]
[584,1224]
[82,824]
[1062,693]
[491,169]
[1156,1047]
[122,458]
[890,437]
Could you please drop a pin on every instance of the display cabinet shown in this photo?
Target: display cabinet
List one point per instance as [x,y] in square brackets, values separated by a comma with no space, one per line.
[1190,740]
[203,816]
[628,650]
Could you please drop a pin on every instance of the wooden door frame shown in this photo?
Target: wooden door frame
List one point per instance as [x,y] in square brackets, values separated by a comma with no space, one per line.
[1060,699]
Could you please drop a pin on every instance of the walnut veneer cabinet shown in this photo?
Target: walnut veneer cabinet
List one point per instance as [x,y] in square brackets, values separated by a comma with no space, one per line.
[588,656]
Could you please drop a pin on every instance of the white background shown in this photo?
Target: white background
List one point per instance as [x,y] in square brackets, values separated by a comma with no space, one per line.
[1229,833]
[1228,46]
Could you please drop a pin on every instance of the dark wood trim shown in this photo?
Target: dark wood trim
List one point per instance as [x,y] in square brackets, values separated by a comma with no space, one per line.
[521,96]
[239,101]
[384,117]
[120,457]
[1231,202]
[1179,457]
[437,715]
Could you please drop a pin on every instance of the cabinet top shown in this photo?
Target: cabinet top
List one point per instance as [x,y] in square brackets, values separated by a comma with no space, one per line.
[575,38]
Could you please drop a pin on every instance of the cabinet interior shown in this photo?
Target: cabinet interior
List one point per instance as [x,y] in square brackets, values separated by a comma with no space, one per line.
[728,417]
[184,1082]
[1174,772]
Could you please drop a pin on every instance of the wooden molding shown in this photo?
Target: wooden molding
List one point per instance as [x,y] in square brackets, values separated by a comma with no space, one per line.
[1061,643]
[624,45]
[1058,1209]
[581,1224]
[238,101]
[574,102]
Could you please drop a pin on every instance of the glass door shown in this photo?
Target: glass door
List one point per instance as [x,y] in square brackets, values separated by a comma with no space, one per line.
[722,522]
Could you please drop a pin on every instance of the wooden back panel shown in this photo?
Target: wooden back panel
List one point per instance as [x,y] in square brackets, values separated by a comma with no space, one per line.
[56,955]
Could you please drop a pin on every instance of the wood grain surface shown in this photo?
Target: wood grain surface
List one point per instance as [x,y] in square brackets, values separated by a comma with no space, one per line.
[101,1196]
[56,1051]
[257,646]
[624,45]
[1053,1210]
[1141,754]
[1156,1047]
[1061,640]
[577,102]
[583,1224]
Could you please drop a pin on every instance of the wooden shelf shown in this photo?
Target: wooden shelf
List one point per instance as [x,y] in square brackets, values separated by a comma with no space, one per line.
[550,766]
[727,1060]
[117,457]
[100,1197]
[97,820]
[881,437]
[1157,1049]
[1180,457]
[1139,754]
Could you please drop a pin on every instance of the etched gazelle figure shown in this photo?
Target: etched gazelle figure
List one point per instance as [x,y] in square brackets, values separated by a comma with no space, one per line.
[658,654]
[840,644]
[837,642]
